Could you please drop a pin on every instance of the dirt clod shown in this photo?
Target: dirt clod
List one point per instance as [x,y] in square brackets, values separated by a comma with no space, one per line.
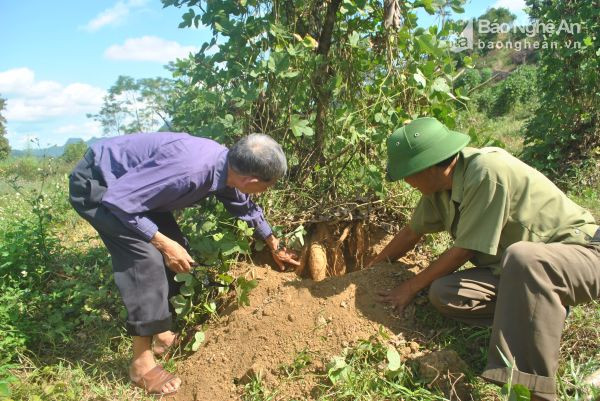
[445,370]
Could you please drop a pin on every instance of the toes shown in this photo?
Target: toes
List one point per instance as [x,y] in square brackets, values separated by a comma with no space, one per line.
[171,386]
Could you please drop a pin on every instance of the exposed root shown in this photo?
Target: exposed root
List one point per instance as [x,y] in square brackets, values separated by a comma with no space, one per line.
[325,255]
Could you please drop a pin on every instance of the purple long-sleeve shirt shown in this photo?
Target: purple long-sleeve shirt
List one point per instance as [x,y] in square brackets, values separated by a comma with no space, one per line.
[164,171]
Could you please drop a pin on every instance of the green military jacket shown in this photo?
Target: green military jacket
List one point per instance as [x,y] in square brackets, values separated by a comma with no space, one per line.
[497,200]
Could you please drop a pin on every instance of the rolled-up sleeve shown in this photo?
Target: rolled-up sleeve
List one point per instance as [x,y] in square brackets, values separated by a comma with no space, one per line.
[241,206]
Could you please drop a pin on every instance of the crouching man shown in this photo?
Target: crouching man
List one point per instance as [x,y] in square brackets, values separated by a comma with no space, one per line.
[535,252]
[126,187]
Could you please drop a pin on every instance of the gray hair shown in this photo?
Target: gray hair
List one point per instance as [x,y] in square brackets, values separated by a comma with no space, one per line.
[259,156]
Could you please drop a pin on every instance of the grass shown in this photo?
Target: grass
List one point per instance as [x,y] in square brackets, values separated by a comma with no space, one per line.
[90,362]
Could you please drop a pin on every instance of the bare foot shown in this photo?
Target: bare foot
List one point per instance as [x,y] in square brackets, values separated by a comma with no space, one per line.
[162,342]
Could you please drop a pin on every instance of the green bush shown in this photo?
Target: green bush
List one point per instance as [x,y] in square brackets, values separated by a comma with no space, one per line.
[49,292]
[518,87]
[469,79]
[74,151]
[486,74]
[564,136]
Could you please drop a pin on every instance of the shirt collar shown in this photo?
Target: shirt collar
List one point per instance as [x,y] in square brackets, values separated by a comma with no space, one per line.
[458,178]
[220,174]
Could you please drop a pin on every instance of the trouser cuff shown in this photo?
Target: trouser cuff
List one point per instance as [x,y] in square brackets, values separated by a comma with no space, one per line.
[146,329]
[542,386]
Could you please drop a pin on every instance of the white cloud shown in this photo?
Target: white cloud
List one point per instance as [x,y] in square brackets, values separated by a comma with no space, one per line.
[113,15]
[30,100]
[149,48]
[85,130]
[512,5]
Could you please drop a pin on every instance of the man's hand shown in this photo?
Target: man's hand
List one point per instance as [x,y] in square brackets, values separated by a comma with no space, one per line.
[400,296]
[175,256]
[281,256]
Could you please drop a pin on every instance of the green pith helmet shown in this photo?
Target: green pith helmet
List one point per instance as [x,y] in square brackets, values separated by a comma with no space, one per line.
[420,144]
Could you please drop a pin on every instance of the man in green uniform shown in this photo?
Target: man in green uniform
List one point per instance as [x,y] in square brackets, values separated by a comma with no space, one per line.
[535,251]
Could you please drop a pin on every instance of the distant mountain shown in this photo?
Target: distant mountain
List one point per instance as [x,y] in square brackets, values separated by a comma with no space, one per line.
[52,151]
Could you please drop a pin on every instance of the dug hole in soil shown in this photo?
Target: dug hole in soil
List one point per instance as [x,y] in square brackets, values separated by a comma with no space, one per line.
[328,304]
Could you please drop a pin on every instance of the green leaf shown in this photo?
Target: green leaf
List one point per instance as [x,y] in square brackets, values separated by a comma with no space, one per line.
[353,39]
[393,358]
[300,127]
[337,369]
[198,340]
[420,78]
[179,303]
[243,288]
[426,41]
[186,291]
[426,4]
[440,85]
[588,41]
[4,390]
[186,278]
[517,392]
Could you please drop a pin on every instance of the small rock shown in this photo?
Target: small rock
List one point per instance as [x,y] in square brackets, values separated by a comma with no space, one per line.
[321,321]
[291,318]
[344,304]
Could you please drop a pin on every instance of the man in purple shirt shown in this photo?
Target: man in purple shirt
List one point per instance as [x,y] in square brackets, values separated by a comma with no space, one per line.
[126,187]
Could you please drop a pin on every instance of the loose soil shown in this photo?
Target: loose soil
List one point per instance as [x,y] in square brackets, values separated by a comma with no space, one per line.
[289,314]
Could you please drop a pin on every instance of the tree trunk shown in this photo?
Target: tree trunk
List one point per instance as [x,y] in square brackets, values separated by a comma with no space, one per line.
[320,77]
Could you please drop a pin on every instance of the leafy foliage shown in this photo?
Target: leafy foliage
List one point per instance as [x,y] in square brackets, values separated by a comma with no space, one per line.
[565,133]
[216,240]
[74,151]
[135,105]
[4,146]
[325,79]
[519,88]
[48,291]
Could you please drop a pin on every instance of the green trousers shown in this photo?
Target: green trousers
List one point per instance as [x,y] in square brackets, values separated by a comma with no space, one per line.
[526,307]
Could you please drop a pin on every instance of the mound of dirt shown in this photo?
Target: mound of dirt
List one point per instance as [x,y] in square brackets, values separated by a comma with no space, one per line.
[288,315]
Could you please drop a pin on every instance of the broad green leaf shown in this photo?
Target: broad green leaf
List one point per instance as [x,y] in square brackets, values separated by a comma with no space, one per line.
[426,41]
[300,127]
[186,278]
[440,85]
[337,369]
[186,291]
[426,4]
[418,76]
[198,340]
[393,358]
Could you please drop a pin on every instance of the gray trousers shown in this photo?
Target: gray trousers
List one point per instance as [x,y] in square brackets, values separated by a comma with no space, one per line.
[525,305]
[144,282]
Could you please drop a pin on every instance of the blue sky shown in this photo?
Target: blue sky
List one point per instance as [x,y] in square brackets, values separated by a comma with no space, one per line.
[58,58]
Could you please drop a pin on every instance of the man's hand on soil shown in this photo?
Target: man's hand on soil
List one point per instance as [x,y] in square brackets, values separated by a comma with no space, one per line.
[281,255]
[399,297]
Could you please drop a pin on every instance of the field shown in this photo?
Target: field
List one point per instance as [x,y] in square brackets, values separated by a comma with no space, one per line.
[330,81]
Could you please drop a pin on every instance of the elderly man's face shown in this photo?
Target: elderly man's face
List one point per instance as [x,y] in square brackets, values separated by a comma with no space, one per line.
[427,181]
[255,186]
